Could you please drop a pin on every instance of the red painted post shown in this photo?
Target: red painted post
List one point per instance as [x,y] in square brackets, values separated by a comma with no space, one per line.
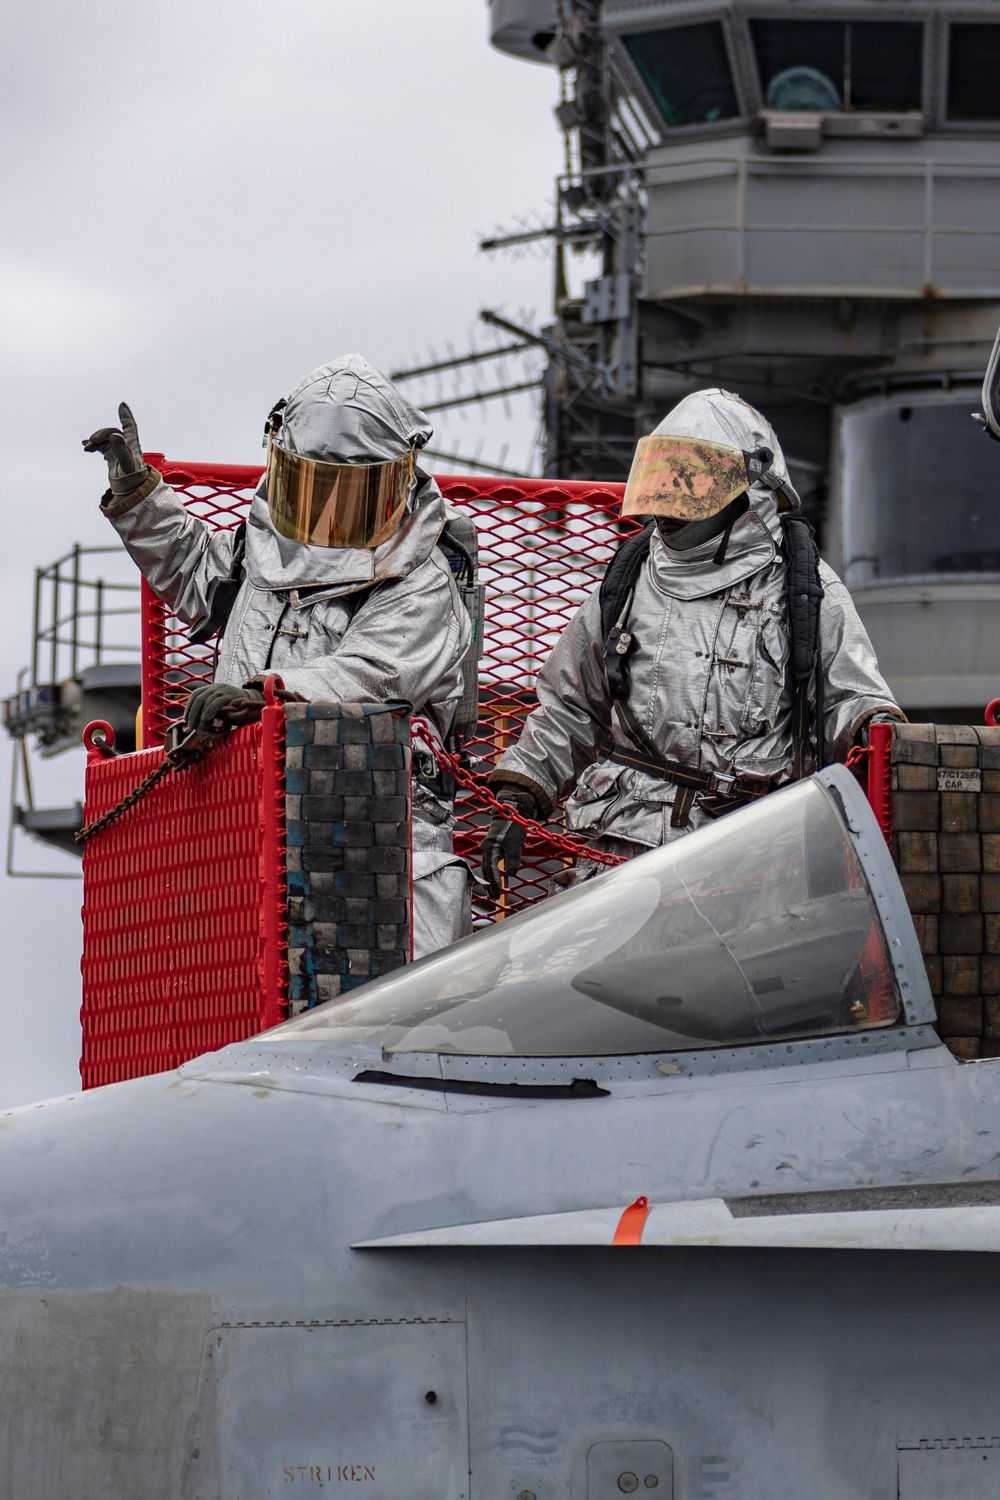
[154,667]
[880,777]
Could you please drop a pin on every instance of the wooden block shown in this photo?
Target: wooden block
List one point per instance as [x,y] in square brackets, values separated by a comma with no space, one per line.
[917,812]
[960,1017]
[989,810]
[961,975]
[989,748]
[989,1047]
[966,1048]
[991,934]
[991,1015]
[907,778]
[959,755]
[959,811]
[959,893]
[958,852]
[914,752]
[991,781]
[959,934]
[913,733]
[990,843]
[928,935]
[923,892]
[991,975]
[989,894]
[917,853]
[956,734]
[935,973]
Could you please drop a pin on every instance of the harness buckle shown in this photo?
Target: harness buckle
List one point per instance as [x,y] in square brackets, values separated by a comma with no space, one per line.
[722,783]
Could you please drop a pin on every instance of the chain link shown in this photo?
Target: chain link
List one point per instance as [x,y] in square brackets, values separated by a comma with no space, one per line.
[83,835]
[559,842]
[183,750]
[193,746]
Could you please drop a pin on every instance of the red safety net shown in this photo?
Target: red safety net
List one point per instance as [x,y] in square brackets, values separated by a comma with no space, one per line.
[184,915]
[544,545]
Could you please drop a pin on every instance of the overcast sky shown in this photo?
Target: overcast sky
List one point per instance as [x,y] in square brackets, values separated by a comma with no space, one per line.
[203,202]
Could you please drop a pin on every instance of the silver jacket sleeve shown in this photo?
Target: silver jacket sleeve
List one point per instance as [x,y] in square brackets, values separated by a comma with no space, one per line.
[180,557]
[854,688]
[403,639]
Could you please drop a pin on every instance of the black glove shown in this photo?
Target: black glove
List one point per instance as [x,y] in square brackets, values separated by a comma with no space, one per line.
[505,839]
[203,711]
[123,451]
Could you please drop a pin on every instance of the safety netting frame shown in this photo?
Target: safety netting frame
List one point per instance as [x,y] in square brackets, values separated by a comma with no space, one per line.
[543,546]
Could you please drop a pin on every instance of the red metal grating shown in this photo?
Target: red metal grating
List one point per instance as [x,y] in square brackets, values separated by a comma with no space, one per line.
[544,544]
[185,907]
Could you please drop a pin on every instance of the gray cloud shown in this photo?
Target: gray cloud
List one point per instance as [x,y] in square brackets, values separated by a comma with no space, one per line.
[203,202]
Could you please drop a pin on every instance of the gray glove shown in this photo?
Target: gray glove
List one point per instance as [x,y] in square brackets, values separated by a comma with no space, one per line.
[505,840]
[882,717]
[121,447]
[204,710]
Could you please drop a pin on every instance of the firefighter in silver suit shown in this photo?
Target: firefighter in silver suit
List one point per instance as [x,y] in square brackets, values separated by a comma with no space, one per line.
[341,589]
[683,705]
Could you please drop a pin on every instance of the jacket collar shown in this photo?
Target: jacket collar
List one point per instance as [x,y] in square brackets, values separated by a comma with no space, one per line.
[275,564]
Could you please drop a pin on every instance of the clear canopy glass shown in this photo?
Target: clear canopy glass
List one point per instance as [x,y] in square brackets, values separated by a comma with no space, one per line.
[686,69]
[921,488]
[973,70]
[758,927]
[834,65]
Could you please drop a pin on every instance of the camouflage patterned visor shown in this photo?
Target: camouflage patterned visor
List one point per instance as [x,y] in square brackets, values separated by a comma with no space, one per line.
[336,505]
[683,477]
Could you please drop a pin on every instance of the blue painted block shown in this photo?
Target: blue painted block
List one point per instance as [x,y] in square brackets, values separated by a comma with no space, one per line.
[299,732]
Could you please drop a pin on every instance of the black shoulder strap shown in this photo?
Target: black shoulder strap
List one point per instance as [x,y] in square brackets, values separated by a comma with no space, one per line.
[804,597]
[615,595]
[225,594]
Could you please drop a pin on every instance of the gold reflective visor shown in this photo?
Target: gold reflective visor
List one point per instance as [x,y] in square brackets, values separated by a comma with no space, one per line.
[336,505]
[686,478]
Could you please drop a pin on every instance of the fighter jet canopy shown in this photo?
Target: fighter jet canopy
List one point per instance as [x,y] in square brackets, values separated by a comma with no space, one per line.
[784,920]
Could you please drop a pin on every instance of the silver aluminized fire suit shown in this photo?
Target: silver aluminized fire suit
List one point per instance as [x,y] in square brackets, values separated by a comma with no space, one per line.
[338,624]
[707,672]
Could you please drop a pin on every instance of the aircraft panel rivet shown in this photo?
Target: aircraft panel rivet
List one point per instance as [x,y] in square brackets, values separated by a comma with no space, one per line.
[628,1482]
[526,1495]
[431,1397]
[651,1481]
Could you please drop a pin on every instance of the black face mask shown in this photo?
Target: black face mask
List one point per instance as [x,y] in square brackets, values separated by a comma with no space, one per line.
[695,533]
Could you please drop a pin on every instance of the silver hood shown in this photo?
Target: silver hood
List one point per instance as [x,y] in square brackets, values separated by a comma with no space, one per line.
[720,417]
[346,412]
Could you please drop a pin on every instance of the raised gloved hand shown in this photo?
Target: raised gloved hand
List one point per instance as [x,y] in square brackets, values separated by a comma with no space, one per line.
[505,839]
[121,448]
[217,706]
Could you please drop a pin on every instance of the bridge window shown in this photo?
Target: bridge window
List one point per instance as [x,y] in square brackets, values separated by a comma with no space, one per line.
[687,72]
[974,71]
[835,65]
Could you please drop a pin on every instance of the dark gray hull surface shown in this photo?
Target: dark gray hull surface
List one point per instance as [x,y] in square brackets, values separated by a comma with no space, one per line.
[187,1317]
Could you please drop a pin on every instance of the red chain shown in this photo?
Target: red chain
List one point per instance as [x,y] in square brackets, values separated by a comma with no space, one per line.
[558,842]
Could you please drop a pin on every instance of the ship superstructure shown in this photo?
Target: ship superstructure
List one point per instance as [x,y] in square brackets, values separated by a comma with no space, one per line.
[801,202]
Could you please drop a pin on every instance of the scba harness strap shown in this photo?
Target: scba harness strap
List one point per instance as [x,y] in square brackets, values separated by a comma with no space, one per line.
[718,792]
